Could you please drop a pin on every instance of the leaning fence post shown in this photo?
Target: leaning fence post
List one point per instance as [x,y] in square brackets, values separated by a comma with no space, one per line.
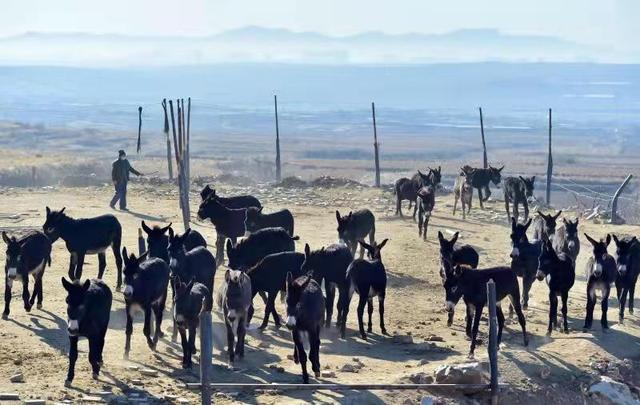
[615,218]
[485,162]
[206,352]
[375,144]
[549,164]
[493,340]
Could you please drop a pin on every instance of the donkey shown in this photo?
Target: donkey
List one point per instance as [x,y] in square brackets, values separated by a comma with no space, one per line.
[269,276]
[88,310]
[86,236]
[369,279]
[471,285]
[234,299]
[450,257]
[407,189]
[560,273]
[249,251]
[628,261]
[190,300]
[330,265]
[566,239]
[198,264]
[600,274]
[354,227]
[146,289]
[158,241]
[524,257]
[463,191]
[304,314]
[25,257]
[256,220]
[480,179]
[229,222]
[425,202]
[517,191]
[544,226]
[234,202]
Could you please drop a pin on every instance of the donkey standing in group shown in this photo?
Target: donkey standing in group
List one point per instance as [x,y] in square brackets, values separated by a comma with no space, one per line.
[86,236]
[480,179]
[158,241]
[27,256]
[524,257]
[234,299]
[628,261]
[305,304]
[463,191]
[450,257]
[234,202]
[425,202]
[518,191]
[544,226]
[229,222]
[407,189]
[369,279]
[600,273]
[560,273]
[189,301]
[566,239]
[353,228]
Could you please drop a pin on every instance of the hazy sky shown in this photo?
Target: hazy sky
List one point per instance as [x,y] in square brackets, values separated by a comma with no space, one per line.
[602,22]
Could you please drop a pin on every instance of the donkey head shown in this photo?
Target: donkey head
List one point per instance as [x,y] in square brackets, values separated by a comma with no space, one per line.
[518,236]
[13,257]
[53,222]
[373,251]
[528,185]
[131,270]
[549,222]
[446,253]
[237,299]
[76,306]
[546,260]
[176,247]
[495,175]
[624,253]
[344,231]
[571,228]
[312,259]
[435,175]
[453,287]
[206,192]
[252,216]
[294,290]
[157,240]
[600,253]
[210,207]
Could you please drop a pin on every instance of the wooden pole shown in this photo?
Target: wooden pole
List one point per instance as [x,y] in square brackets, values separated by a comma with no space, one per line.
[485,162]
[549,164]
[206,354]
[139,129]
[166,132]
[615,218]
[141,245]
[337,387]
[278,162]
[188,143]
[493,341]
[375,144]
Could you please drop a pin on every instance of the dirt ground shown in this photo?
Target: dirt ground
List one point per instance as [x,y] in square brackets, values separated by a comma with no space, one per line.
[552,369]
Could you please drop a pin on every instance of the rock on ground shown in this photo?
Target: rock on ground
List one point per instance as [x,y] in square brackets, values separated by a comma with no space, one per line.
[616,392]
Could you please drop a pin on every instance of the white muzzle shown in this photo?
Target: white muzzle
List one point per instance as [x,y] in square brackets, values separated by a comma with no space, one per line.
[73,327]
[515,252]
[12,272]
[291,321]
[173,262]
[449,306]
[597,269]
[128,290]
[622,268]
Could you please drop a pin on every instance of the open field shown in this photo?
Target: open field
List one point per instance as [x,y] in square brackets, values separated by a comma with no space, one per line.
[553,370]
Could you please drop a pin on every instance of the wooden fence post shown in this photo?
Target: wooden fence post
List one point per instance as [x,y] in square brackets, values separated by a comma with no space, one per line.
[206,354]
[141,245]
[278,162]
[615,218]
[166,133]
[375,144]
[493,341]
[139,129]
[549,164]
[485,162]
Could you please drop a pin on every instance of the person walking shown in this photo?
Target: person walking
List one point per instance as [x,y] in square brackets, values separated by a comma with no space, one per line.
[120,170]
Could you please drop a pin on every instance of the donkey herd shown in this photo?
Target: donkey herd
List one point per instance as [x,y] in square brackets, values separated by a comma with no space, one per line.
[264,262]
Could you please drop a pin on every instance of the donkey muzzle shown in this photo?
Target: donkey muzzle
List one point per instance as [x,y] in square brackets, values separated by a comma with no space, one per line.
[515,252]
[540,275]
[597,269]
[449,306]
[291,322]
[622,269]
[73,327]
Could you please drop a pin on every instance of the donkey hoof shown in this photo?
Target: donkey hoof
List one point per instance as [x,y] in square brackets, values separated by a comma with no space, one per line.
[67,383]
[125,356]
[27,308]
[39,306]
[316,374]
[94,376]
[631,311]
[5,316]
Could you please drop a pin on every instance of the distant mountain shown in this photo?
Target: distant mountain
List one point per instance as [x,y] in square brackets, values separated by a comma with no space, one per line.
[258,44]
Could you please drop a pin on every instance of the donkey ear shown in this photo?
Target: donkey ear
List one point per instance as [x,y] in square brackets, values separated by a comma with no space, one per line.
[439,169]
[522,178]
[143,256]
[533,179]
[166,228]
[5,238]
[440,236]
[146,228]
[366,246]
[125,255]
[289,278]
[229,246]
[500,169]
[384,242]
[171,234]
[526,226]
[557,215]
[260,210]
[455,237]
[420,173]
[307,250]
[227,275]
[615,238]
[48,211]
[65,283]
[608,239]
[338,215]
[590,239]
[513,223]
[540,213]
[86,285]
[564,220]
[187,232]
[62,210]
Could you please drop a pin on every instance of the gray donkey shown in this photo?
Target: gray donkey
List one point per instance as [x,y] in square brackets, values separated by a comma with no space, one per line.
[234,299]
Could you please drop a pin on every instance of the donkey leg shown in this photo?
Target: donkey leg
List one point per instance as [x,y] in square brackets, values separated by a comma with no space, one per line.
[128,332]
[565,323]
[343,309]
[34,293]
[426,226]
[147,328]
[115,246]
[383,329]
[230,340]
[500,316]
[102,264]
[420,223]
[480,198]
[330,292]
[267,310]
[25,293]
[73,356]
[73,260]
[553,311]
[369,312]
[591,303]
[361,304]
[605,306]
[314,350]
[39,285]
[186,355]
[632,290]
[94,357]
[516,210]
[623,301]
[220,250]
[525,205]
[191,343]
[79,265]
[398,205]
[474,330]
[506,207]
[302,356]
[7,300]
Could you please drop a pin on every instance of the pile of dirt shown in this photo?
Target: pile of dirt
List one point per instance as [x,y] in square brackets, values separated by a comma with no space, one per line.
[328,181]
[227,178]
[292,182]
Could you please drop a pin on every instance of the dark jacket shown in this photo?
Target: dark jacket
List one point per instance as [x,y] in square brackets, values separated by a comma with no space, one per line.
[120,171]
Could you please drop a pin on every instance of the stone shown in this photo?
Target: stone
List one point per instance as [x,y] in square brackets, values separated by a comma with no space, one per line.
[464,373]
[419,378]
[435,338]
[91,398]
[328,374]
[264,345]
[35,402]
[182,401]
[349,368]
[403,339]
[616,392]
[136,382]
[17,378]
[6,396]
[149,372]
